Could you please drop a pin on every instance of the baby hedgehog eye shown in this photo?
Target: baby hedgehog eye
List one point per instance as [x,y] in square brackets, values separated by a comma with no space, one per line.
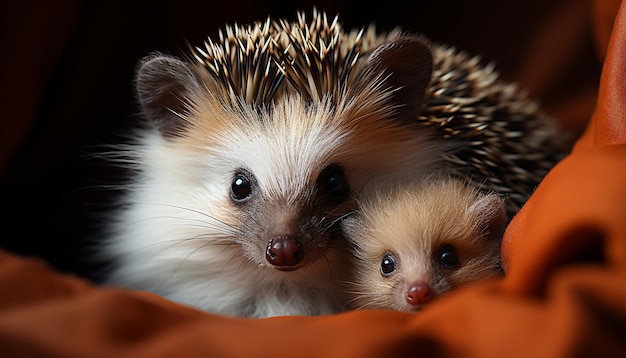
[448,257]
[241,188]
[388,265]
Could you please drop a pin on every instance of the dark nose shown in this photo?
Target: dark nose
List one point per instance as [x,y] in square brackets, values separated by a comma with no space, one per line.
[418,293]
[283,251]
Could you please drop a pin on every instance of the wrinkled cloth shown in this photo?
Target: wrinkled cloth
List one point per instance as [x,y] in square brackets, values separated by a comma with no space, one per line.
[564,293]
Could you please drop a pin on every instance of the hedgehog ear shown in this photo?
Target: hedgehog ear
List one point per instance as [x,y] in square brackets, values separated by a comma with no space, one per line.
[408,62]
[490,217]
[161,84]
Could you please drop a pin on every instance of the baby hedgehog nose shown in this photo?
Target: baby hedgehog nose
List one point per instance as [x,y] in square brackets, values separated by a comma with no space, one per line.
[283,251]
[418,293]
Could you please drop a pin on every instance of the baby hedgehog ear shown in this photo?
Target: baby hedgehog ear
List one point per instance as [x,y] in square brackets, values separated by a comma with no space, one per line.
[408,62]
[162,84]
[489,216]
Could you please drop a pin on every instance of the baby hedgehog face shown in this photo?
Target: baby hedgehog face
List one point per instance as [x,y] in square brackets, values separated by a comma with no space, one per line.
[420,240]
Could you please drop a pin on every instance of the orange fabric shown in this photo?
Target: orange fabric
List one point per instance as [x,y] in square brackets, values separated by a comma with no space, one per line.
[564,293]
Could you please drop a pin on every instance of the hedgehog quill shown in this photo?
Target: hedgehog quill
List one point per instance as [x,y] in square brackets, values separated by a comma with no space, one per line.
[257,144]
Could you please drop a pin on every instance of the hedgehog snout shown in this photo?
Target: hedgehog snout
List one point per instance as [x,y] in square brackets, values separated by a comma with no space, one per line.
[285,245]
[418,293]
[284,252]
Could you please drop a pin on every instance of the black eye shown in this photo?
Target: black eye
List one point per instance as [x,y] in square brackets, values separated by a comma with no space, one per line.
[241,188]
[388,265]
[333,182]
[448,257]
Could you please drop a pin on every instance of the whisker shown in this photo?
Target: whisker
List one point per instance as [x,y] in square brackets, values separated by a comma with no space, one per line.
[335,221]
[191,253]
[196,212]
[227,265]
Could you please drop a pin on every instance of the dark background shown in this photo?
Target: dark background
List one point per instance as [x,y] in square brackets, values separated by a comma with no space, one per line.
[67,69]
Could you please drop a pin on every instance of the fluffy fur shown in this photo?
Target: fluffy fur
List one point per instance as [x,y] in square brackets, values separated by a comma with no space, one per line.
[422,239]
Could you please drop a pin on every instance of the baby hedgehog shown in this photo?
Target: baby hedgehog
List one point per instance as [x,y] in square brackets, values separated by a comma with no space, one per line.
[255,145]
[422,239]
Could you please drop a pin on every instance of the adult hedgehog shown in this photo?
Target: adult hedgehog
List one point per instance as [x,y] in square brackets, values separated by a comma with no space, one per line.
[257,144]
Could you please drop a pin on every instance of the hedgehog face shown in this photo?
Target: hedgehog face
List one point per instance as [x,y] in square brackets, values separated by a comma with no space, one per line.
[420,240]
[411,277]
[280,180]
[286,235]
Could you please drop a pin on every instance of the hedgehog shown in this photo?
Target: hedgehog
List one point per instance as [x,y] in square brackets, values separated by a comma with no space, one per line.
[256,145]
[421,240]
